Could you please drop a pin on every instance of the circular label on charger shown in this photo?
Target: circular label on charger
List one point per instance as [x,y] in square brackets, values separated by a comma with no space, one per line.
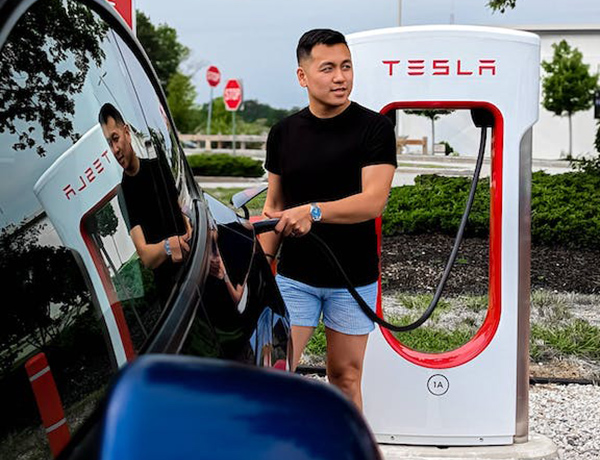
[438,385]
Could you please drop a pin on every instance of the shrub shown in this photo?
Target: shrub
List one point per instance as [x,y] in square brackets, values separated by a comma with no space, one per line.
[435,205]
[222,164]
[564,208]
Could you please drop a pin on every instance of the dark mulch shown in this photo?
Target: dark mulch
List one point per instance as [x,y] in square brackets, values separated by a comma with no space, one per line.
[415,263]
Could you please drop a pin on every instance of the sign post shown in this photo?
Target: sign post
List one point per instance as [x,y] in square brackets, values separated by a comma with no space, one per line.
[213,77]
[232,97]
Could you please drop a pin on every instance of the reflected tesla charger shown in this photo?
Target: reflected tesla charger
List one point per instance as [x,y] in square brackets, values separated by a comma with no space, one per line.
[476,394]
[79,183]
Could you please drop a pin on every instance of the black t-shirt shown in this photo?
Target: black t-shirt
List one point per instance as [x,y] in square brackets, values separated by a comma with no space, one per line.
[151,202]
[321,159]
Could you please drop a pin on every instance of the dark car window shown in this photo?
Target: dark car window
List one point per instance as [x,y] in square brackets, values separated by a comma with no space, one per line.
[80,299]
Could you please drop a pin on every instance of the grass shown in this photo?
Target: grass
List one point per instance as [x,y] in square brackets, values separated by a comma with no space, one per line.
[577,338]
[224,194]
[554,334]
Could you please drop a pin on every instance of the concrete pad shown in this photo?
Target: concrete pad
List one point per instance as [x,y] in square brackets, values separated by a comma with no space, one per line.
[538,447]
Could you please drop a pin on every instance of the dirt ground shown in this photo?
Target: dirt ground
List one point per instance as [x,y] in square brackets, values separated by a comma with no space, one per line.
[414,264]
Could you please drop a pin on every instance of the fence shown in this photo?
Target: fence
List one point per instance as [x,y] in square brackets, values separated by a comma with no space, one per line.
[255,145]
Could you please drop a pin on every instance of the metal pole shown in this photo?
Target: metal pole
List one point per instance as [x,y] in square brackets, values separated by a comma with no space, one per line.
[209,111]
[233,116]
[399,13]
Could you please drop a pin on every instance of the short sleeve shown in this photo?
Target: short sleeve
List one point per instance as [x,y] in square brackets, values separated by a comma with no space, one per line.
[380,143]
[273,160]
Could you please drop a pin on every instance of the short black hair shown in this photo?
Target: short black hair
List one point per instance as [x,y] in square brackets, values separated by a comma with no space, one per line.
[317,37]
[109,110]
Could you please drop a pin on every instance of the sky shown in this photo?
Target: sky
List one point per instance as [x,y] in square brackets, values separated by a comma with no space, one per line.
[255,40]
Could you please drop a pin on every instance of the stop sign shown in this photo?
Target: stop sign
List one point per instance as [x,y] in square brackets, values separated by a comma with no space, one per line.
[232,95]
[213,76]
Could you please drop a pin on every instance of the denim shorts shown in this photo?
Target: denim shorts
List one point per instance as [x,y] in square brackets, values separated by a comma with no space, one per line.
[340,311]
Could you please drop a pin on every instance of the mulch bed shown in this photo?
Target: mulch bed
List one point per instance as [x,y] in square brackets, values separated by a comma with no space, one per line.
[415,263]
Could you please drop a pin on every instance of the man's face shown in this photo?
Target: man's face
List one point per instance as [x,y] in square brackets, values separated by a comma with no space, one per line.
[118,138]
[328,75]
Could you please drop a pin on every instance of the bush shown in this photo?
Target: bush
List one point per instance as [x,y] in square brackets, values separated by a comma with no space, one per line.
[435,205]
[222,164]
[565,208]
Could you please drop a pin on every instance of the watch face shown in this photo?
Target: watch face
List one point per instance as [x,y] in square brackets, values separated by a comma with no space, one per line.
[315,213]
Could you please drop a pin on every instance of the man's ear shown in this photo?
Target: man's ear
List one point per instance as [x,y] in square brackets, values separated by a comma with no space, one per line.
[301,77]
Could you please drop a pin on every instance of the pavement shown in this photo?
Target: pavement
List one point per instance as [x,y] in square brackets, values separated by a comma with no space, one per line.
[409,167]
[537,448]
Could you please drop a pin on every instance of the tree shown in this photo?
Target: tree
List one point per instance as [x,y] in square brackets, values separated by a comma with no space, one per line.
[181,96]
[567,86]
[43,66]
[161,44]
[433,115]
[501,5]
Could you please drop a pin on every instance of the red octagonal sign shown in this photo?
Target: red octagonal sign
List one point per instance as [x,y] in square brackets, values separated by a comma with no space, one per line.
[232,95]
[213,76]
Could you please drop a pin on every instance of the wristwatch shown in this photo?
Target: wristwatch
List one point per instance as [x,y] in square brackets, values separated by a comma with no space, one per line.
[315,212]
[167,247]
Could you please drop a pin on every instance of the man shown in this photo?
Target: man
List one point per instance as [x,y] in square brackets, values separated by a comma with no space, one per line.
[157,227]
[330,170]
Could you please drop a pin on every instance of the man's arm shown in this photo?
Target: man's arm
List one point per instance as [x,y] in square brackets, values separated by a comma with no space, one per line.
[274,203]
[363,206]
[152,255]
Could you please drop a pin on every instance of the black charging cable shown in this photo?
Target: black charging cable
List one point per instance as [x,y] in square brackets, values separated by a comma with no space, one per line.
[269,224]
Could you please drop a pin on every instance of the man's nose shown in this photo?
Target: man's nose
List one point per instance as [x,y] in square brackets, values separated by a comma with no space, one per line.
[338,75]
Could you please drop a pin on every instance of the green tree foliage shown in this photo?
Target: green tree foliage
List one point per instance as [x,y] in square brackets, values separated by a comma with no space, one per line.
[43,66]
[161,44]
[253,118]
[254,111]
[502,5]
[568,86]
[49,299]
[181,96]
[597,140]
[433,115]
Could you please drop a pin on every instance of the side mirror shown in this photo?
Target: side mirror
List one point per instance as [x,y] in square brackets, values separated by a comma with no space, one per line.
[166,406]
[240,199]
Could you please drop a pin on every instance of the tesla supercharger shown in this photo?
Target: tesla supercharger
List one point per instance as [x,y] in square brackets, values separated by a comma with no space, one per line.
[82,180]
[476,394]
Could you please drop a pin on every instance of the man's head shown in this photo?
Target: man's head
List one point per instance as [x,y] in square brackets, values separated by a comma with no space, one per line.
[325,70]
[118,136]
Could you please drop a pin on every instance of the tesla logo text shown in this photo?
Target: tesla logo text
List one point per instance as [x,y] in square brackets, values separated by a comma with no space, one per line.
[441,67]
[88,176]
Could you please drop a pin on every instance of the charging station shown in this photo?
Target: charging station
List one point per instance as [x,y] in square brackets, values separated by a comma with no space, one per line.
[476,394]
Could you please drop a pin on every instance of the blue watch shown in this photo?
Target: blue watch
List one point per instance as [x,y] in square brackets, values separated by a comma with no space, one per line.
[315,212]
[167,247]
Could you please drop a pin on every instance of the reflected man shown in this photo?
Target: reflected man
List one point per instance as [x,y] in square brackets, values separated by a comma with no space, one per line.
[159,230]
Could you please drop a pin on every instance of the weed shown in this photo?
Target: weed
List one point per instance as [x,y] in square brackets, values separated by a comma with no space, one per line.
[577,338]
[317,345]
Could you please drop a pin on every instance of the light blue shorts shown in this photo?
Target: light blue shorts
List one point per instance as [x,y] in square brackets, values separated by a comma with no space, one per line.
[340,311]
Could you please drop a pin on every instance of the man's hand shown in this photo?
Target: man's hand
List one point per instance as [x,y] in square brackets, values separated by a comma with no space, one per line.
[292,222]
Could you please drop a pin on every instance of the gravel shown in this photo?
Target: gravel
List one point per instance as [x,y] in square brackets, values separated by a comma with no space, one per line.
[570,416]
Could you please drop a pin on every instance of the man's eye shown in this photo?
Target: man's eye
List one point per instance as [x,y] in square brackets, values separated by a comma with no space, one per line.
[326,69]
